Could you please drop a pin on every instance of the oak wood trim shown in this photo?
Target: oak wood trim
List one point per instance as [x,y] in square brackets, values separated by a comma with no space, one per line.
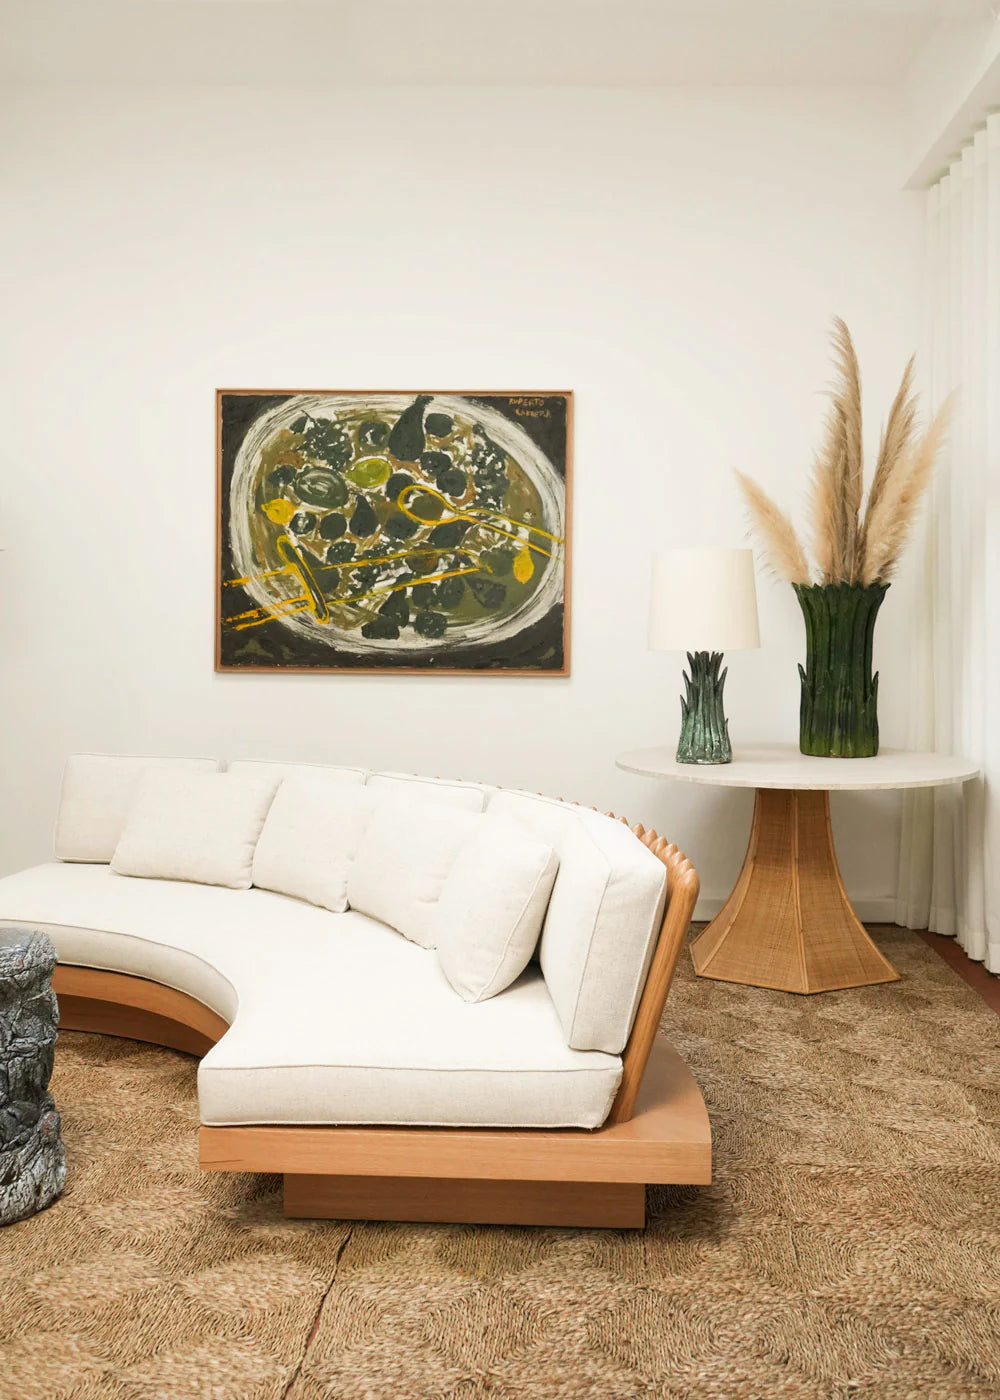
[667,1140]
[682,895]
[116,1003]
[563,671]
[605,1205]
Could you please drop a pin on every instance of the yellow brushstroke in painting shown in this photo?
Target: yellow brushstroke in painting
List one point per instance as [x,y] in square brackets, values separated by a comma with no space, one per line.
[483,518]
[281,511]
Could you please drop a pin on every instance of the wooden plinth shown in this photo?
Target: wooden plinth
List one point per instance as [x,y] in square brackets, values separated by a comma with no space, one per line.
[607,1205]
[527,1176]
[113,1003]
[788,923]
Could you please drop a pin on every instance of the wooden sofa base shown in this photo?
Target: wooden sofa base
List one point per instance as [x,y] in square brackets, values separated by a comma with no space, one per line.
[525,1176]
[611,1205]
[114,1003]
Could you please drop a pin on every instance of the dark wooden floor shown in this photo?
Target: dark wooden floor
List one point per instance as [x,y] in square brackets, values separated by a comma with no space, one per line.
[985,983]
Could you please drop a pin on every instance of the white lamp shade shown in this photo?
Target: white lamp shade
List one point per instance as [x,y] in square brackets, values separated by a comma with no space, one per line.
[703,600]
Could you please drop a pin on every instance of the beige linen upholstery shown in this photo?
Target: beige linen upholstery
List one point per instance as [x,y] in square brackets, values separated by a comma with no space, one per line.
[603,917]
[470,797]
[277,772]
[310,839]
[337,1018]
[96,791]
[403,860]
[194,826]
[492,906]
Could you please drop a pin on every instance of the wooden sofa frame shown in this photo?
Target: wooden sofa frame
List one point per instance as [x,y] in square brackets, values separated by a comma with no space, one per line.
[657,1130]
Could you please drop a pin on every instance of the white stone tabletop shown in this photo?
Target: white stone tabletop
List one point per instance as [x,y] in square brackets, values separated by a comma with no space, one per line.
[783,766]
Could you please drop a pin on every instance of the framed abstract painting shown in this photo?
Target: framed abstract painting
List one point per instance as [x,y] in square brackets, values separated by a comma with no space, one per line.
[393,531]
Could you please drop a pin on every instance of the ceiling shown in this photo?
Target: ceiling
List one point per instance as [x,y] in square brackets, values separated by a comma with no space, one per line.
[373,42]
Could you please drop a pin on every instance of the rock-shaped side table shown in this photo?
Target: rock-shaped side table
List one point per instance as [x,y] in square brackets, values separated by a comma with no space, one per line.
[32,1156]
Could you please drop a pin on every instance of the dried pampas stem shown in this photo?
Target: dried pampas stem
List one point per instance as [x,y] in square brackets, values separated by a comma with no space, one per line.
[890,517]
[782,549]
[827,539]
[896,443]
[838,473]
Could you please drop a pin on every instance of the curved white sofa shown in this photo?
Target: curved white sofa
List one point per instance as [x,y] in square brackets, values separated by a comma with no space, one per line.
[336,1052]
[334,1018]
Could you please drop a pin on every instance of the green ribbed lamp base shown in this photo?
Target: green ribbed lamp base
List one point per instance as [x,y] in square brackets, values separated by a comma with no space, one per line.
[704,727]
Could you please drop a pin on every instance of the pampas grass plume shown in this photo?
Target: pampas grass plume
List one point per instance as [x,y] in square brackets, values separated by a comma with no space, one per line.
[782,549]
[849,549]
[890,517]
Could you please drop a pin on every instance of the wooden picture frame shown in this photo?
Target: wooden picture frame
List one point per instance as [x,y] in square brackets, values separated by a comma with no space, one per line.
[532,640]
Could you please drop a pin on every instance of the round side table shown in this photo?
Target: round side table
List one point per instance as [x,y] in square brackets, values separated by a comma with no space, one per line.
[788,923]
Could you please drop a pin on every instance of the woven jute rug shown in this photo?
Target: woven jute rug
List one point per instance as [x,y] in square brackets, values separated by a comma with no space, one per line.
[850,1246]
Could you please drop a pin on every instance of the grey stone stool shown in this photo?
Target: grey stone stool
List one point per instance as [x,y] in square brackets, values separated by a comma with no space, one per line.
[32,1156]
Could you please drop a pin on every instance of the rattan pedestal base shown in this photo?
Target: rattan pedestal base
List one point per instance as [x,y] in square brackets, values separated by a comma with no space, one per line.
[788,923]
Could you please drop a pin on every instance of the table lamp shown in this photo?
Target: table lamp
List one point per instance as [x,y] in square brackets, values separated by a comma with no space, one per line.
[703,602]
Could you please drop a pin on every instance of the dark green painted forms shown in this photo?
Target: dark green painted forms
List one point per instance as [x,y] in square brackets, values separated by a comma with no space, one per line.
[704,727]
[838,716]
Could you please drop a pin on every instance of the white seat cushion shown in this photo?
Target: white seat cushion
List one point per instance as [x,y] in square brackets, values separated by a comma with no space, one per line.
[603,917]
[277,772]
[310,839]
[337,1018]
[469,797]
[96,791]
[193,826]
[491,908]
[407,850]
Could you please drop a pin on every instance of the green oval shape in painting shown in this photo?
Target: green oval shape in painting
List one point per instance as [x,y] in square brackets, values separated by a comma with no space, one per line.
[498,560]
[425,506]
[450,592]
[364,521]
[381,628]
[369,471]
[430,624]
[439,424]
[373,433]
[319,487]
[396,483]
[449,534]
[453,482]
[487,594]
[400,527]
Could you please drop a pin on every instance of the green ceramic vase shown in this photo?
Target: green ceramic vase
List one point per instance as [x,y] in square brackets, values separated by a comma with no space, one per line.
[838,716]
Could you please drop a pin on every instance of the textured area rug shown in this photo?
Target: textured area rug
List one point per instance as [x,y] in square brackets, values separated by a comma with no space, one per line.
[850,1246]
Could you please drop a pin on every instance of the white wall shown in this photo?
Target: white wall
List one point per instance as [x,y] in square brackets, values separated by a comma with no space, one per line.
[951,85]
[673,256]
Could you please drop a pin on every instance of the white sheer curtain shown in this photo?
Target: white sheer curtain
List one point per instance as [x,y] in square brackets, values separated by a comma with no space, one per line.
[950,854]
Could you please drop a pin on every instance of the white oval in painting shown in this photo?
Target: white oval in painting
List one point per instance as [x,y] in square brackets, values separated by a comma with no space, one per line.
[395,524]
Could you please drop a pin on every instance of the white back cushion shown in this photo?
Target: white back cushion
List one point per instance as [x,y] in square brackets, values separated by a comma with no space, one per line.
[193,826]
[468,797]
[276,772]
[492,906]
[603,917]
[403,861]
[96,791]
[310,839]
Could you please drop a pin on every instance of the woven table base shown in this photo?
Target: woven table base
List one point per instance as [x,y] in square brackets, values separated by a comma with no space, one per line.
[788,923]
